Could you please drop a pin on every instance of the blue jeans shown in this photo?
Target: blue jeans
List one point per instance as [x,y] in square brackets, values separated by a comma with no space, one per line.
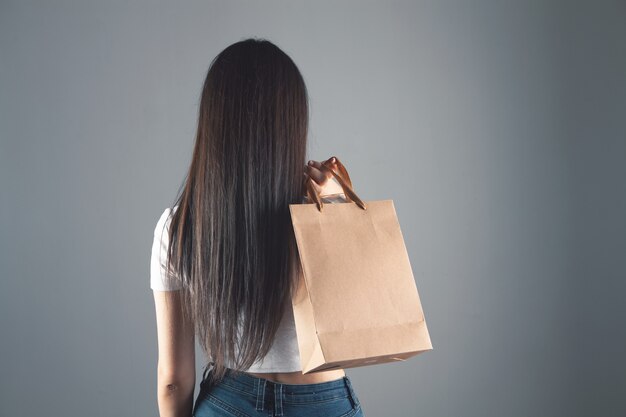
[244,395]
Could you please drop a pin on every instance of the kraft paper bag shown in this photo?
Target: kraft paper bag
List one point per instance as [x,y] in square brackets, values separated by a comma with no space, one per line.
[357,303]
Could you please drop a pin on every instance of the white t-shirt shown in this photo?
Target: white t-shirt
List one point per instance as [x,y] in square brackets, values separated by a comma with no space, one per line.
[284,355]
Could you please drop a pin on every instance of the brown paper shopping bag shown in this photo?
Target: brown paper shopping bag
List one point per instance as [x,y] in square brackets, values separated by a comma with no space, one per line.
[357,303]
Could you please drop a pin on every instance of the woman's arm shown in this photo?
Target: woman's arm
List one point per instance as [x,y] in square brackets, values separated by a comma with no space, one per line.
[176,368]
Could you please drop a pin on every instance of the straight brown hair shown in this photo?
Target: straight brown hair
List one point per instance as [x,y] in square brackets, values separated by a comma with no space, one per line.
[232,245]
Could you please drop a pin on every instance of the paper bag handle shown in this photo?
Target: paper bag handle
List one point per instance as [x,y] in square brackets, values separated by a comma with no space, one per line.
[342,178]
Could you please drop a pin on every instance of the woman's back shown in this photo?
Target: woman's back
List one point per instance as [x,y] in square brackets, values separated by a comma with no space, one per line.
[227,248]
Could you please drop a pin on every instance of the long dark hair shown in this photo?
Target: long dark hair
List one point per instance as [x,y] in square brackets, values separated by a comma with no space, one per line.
[231,239]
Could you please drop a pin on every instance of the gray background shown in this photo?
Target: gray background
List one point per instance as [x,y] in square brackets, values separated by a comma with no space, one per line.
[497,127]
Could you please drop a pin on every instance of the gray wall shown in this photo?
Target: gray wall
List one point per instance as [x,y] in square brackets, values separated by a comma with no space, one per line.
[498,128]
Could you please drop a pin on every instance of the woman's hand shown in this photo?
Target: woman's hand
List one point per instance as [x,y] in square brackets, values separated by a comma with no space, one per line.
[322,181]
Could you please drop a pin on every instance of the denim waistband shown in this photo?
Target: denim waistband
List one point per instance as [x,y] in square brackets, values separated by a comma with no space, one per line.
[266,392]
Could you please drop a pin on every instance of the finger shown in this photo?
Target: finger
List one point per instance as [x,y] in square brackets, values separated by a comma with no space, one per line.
[314,184]
[329,162]
[306,174]
[318,176]
[305,178]
[318,165]
[332,160]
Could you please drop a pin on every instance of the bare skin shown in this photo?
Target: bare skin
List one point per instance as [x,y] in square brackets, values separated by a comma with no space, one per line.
[324,186]
[300,378]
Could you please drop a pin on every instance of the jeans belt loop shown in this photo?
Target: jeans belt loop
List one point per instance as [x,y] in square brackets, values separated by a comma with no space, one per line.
[278,399]
[260,394]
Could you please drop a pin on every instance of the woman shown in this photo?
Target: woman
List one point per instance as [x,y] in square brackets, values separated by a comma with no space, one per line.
[224,260]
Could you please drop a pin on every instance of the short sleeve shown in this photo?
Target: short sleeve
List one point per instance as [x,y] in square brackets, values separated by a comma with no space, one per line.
[159,280]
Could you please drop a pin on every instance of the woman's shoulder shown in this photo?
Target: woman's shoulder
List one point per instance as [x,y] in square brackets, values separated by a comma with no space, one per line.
[159,278]
[164,219]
